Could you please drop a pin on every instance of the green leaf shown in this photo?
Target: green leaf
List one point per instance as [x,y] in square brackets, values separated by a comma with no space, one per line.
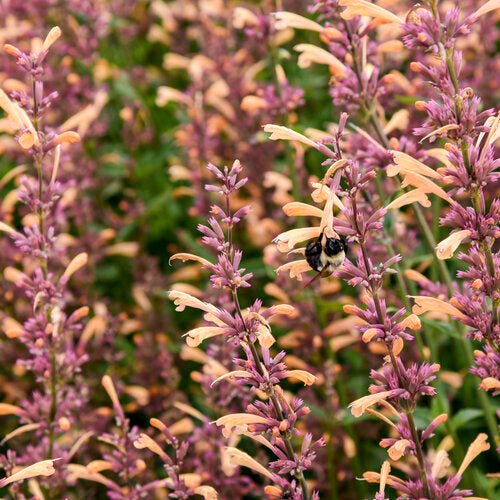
[464,416]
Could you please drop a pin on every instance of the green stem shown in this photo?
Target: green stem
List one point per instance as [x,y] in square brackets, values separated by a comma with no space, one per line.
[53,404]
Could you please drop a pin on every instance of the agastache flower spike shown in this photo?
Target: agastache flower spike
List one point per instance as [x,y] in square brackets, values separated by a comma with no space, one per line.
[398,385]
[272,422]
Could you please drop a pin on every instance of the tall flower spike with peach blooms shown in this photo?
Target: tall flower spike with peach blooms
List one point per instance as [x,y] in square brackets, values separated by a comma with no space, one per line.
[398,385]
[272,421]
[471,165]
[48,335]
[370,93]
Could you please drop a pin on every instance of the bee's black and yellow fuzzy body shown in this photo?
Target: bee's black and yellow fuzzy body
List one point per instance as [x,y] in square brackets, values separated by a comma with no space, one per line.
[326,254]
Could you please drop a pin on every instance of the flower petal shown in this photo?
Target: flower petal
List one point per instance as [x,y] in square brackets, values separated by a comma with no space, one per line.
[181,300]
[295,208]
[196,336]
[425,304]
[446,248]
[407,163]
[189,256]
[425,184]
[302,375]
[295,268]
[415,195]
[313,54]
[286,241]
[284,20]
[279,132]
[359,406]
[239,457]
[363,8]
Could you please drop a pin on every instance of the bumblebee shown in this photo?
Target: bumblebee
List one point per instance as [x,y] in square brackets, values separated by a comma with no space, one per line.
[325,254]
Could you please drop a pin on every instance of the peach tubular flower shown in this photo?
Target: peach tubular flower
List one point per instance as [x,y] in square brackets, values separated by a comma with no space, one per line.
[98,466]
[6,228]
[253,103]
[332,169]
[415,195]
[69,137]
[53,35]
[280,132]
[186,409]
[231,376]
[412,321]
[440,131]
[295,268]
[20,119]
[169,94]
[363,8]
[241,458]
[368,137]
[487,7]
[181,300]
[284,20]
[413,275]
[196,336]
[369,334]
[55,167]
[312,54]
[126,248]
[400,119]
[238,419]
[490,383]
[394,46]
[479,445]
[425,184]
[265,337]
[77,471]
[425,304]
[288,240]
[84,118]
[107,383]
[406,163]
[441,461]
[322,193]
[207,492]
[302,375]
[359,406]
[326,224]
[19,431]
[26,140]
[243,431]
[295,208]
[244,17]
[398,449]
[384,474]
[78,262]
[144,441]
[189,256]
[446,248]
[8,409]
[284,309]
[375,477]
[43,468]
